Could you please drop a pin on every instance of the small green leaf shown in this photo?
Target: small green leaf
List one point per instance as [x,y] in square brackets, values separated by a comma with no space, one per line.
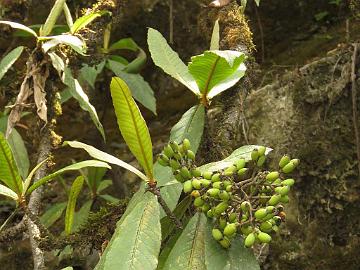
[8,192]
[189,250]
[20,26]
[93,177]
[83,21]
[190,126]
[137,64]
[215,38]
[95,153]
[132,125]
[9,173]
[104,184]
[9,60]
[124,43]
[73,167]
[78,93]
[169,61]
[57,62]
[136,241]
[81,216]
[30,176]
[70,209]
[53,214]
[68,17]
[121,60]
[52,18]
[89,74]
[74,42]
[109,198]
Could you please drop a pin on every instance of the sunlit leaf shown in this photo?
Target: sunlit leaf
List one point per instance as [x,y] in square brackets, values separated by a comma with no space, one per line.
[20,26]
[5,191]
[83,21]
[74,42]
[53,214]
[52,18]
[215,37]
[81,216]
[9,60]
[70,208]
[124,43]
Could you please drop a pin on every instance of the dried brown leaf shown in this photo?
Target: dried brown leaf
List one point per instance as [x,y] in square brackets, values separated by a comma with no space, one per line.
[39,79]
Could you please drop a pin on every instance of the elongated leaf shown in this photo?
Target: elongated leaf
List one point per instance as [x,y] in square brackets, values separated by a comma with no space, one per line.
[9,173]
[78,93]
[9,60]
[136,241]
[73,167]
[242,152]
[104,184]
[53,214]
[81,216]
[30,176]
[169,61]
[189,250]
[190,126]
[137,64]
[20,26]
[257,2]
[57,62]
[124,43]
[140,89]
[52,18]
[132,125]
[89,73]
[237,257]
[83,21]
[5,191]
[216,71]
[109,198]
[68,17]
[70,209]
[74,42]
[95,153]
[93,177]
[215,37]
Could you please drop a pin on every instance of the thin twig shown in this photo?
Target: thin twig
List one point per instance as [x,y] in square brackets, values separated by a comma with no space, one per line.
[171,22]
[354,104]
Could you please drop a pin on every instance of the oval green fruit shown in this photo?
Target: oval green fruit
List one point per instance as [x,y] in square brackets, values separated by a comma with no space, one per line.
[168,151]
[261,150]
[223,195]
[242,172]
[205,208]
[246,229]
[178,176]
[222,223]
[272,176]
[213,192]
[288,182]
[249,240]
[207,175]
[174,145]
[230,170]
[186,144]
[218,185]
[245,206]
[230,229]
[221,207]
[232,217]
[196,172]
[210,214]
[198,202]
[215,177]
[217,234]
[205,183]
[266,226]
[188,186]
[228,188]
[284,199]
[283,161]
[240,163]
[195,193]
[185,173]
[175,165]
[295,161]
[261,213]
[274,200]
[264,237]
[261,161]
[254,155]
[196,183]
[288,168]
[162,162]
[190,154]
[225,243]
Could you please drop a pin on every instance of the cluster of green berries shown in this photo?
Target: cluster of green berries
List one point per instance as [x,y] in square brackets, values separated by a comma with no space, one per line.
[240,199]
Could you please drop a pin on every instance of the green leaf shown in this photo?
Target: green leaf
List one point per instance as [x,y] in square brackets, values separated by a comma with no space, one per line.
[9,60]
[53,214]
[72,167]
[189,250]
[237,257]
[57,62]
[93,177]
[20,26]
[81,216]
[137,64]
[52,18]
[136,241]
[109,198]
[89,74]
[104,184]
[78,93]
[216,71]
[30,176]
[95,153]
[132,125]
[5,191]
[169,61]
[74,42]
[190,126]
[242,152]
[120,60]
[18,148]
[70,209]
[140,89]
[124,43]
[215,38]
[68,17]
[257,2]
[9,173]
[83,21]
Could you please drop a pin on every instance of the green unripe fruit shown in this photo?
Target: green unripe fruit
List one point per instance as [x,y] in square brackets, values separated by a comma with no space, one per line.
[283,161]
[275,228]
[225,243]
[295,161]
[232,217]
[272,176]
[182,151]
[210,214]
[164,157]
[223,195]
[284,199]
[264,237]
[190,155]
[175,165]
[168,151]
[196,183]
[205,182]
[274,200]
[185,173]
[288,182]
[207,175]
[277,182]
[261,161]
[195,193]
[245,206]
[213,192]
[198,202]
[222,223]
[230,171]
[221,207]
[196,172]
[277,220]
[205,208]
[217,234]
[244,217]
[226,183]
[175,147]
[268,217]
[163,162]
[246,230]
[249,240]
[230,229]
[270,209]
[228,188]
[261,150]
[215,177]
[261,213]
[242,172]
[266,226]
[186,144]
[254,155]
[178,176]
[218,185]
[288,168]
[188,186]
[178,156]
[240,163]
[282,190]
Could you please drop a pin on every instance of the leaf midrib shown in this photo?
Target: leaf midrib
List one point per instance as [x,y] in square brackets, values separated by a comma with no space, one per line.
[193,244]
[206,89]
[148,168]
[11,169]
[188,125]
